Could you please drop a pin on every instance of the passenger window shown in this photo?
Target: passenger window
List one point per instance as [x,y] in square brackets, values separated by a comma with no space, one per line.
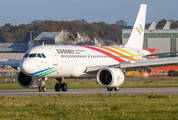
[43,55]
[32,55]
[38,55]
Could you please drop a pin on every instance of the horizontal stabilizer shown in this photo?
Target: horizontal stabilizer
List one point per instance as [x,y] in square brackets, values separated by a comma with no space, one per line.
[157,54]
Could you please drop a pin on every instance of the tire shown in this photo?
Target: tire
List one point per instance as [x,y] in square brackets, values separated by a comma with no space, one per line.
[64,87]
[44,89]
[57,87]
[116,89]
[109,88]
[40,88]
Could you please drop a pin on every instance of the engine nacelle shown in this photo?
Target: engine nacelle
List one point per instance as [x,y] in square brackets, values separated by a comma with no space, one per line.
[110,77]
[27,81]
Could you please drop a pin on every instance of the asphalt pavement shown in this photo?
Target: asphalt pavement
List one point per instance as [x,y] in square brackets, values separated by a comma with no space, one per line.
[130,91]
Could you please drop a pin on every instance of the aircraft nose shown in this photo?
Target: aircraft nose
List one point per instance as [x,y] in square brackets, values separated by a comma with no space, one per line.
[26,67]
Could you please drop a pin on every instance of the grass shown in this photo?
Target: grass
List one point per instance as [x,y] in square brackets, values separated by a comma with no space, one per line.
[147,106]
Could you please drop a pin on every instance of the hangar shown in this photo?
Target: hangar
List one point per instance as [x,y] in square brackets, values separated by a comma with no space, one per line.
[52,38]
[12,52]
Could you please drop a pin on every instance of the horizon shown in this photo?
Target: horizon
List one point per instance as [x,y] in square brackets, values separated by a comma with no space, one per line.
[24,12]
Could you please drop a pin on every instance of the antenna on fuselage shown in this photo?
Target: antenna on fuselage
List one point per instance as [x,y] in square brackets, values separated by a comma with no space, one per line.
[43,43]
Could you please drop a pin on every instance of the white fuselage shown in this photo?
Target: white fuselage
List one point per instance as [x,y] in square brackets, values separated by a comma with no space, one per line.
[71,61]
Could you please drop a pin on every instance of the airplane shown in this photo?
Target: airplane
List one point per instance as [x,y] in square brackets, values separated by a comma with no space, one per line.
[106,63]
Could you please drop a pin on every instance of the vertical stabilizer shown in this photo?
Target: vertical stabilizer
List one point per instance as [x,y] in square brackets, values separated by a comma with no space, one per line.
[136,38]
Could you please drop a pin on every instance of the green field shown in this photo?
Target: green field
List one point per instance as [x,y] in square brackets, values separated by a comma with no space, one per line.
[147,106]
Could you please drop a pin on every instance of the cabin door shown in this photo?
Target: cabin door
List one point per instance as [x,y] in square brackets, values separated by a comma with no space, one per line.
[54,55]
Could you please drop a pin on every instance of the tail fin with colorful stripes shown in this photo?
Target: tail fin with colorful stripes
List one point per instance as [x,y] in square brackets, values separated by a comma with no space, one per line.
[137,35]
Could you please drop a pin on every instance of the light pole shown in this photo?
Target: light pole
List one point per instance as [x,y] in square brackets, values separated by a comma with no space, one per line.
[31,34]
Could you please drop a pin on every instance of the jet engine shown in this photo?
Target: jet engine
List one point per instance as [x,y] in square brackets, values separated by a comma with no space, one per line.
[110,77]
[28,81]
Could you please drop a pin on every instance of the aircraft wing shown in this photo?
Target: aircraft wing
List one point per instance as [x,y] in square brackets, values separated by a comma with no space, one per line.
[140,64]
[149,64]
[10,62]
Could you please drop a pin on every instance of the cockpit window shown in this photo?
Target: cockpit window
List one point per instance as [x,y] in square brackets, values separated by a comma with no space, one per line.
[26,55]
[35,55]
[32,55]
[38,55]
[43,55]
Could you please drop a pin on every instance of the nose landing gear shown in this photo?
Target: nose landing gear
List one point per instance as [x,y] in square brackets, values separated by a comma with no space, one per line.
[60,85]
[42,88]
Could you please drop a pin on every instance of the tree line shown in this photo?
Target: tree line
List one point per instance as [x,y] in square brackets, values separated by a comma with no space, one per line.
[98,30]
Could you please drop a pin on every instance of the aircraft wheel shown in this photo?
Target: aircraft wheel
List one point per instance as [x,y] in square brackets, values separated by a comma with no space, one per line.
[64,87]
[116,89]
[44,89]
[57,87]
[109,88]
[40,88]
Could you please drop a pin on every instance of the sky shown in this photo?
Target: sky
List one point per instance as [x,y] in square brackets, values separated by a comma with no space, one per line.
[18,12]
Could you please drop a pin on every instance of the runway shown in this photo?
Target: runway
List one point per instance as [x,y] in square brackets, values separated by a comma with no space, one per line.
[130,91]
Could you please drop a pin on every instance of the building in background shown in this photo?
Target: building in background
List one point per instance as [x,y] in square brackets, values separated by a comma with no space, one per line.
[63,38]
[82,37]
[154,51]
[52,38]
[11,52]
[164,38]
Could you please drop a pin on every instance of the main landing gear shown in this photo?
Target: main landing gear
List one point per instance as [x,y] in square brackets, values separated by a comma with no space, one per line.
[111,88]
[60,85]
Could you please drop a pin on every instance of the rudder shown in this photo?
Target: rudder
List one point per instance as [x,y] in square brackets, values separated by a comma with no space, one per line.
[137,35]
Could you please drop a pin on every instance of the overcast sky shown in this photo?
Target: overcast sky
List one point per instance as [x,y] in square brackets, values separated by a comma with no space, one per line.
[18,12]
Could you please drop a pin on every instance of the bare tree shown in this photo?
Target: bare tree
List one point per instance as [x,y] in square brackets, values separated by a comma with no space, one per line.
[82,21]
[36,22]
[121,23]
